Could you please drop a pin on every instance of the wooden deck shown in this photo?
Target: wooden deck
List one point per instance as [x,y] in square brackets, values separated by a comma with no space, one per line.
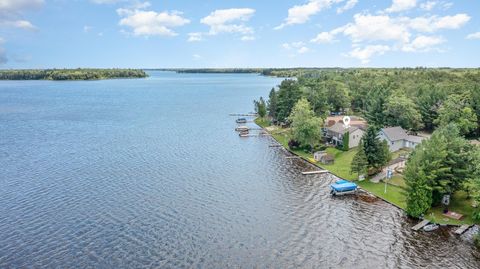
[420,225]
[315,172]
[462,229]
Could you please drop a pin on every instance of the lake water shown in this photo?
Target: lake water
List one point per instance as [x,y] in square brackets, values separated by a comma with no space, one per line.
[148,173]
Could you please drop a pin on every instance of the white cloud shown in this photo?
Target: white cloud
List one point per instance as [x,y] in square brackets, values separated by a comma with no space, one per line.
[149,23]
[298,47]
[303,50]
[87,28]
[19,5]
[300,14]
[11,13]
[349,5]
[323,37]
[366,53]
[22,24]
[429,5]
[474,35]
[401,5]
[373,28]
[423,43]
[247,38]
[196,57]
[193,37]
[435,23]
[229,21]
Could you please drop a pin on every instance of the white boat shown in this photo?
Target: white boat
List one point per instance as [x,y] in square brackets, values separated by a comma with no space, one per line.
[430,227]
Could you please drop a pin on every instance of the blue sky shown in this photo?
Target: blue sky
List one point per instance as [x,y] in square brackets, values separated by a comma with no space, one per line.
[226,33]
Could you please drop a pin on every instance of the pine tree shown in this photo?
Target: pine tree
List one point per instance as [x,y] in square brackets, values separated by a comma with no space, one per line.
[359,163]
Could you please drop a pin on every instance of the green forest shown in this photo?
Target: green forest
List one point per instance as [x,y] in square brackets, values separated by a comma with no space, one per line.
[443,103]
[70,74]
[414,98]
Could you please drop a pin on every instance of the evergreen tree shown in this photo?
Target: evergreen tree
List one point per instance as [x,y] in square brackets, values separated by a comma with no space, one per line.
[272,104]
[288,95]
[346,141]
[376,151]
[260,107]
[359,163]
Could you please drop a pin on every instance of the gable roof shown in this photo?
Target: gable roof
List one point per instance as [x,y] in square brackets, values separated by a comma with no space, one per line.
[340,128]
[395,133]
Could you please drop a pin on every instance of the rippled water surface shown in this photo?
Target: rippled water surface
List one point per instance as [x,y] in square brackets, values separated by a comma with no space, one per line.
[150,174]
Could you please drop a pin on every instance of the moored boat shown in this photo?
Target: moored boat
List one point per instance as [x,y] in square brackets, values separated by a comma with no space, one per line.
[242,128]
[430,227]
[342,187]
[241,120]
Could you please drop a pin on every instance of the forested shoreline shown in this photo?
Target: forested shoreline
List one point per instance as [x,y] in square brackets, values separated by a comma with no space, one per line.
[414,98]
[70,74]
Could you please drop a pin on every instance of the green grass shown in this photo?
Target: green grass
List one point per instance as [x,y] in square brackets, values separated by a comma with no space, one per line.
[395,187]
[342,164]
[398,181]
[460,204]
[394,195]
[262,122]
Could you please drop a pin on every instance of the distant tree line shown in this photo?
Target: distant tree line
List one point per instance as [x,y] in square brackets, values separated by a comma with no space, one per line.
[70,74]
[413,98]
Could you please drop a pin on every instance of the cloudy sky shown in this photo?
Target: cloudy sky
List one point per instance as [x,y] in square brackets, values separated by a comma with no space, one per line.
[242,33]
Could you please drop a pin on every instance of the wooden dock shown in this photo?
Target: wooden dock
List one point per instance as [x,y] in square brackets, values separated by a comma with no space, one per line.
[315,172]
[462,229]
[242,115]
[420,225]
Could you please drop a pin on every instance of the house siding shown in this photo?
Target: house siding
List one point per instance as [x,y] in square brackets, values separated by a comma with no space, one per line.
[392,145]
[354,138]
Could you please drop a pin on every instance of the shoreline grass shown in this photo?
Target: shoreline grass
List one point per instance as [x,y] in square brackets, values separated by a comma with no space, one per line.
[396,187]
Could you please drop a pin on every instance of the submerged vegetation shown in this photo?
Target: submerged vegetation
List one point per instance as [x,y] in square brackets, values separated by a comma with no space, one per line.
[70,74]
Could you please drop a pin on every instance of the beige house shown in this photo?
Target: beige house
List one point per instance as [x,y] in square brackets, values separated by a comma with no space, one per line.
[336,132]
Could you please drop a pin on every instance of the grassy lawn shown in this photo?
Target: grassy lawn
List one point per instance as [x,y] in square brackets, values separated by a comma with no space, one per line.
[460,204]
[394,195]
[341,166]
[398,181]
[262,122]
[395,187]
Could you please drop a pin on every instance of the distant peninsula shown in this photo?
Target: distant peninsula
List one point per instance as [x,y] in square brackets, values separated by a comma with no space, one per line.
[70,74]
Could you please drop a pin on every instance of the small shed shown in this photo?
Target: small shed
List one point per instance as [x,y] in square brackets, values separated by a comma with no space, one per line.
[323,157]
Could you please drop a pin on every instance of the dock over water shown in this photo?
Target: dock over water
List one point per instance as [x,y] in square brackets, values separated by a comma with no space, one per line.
[315,172]
[462,229]
[420,225]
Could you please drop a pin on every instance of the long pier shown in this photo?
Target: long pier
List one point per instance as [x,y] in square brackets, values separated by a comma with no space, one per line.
[315,172]
[242,115]
[420,225]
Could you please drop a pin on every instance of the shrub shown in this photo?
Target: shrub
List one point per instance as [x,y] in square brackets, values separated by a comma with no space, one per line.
[292,144]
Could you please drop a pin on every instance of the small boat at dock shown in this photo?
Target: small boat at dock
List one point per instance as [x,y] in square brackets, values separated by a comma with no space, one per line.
[242,128]
[342,187]
[241,120]
[430,227]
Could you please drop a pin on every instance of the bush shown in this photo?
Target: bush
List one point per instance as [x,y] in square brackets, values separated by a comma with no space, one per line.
[292,144]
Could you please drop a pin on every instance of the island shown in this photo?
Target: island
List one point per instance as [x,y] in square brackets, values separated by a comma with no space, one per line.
[70,74]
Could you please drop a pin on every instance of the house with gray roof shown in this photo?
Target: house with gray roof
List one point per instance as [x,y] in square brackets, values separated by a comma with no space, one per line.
[335,133]
[397,138]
